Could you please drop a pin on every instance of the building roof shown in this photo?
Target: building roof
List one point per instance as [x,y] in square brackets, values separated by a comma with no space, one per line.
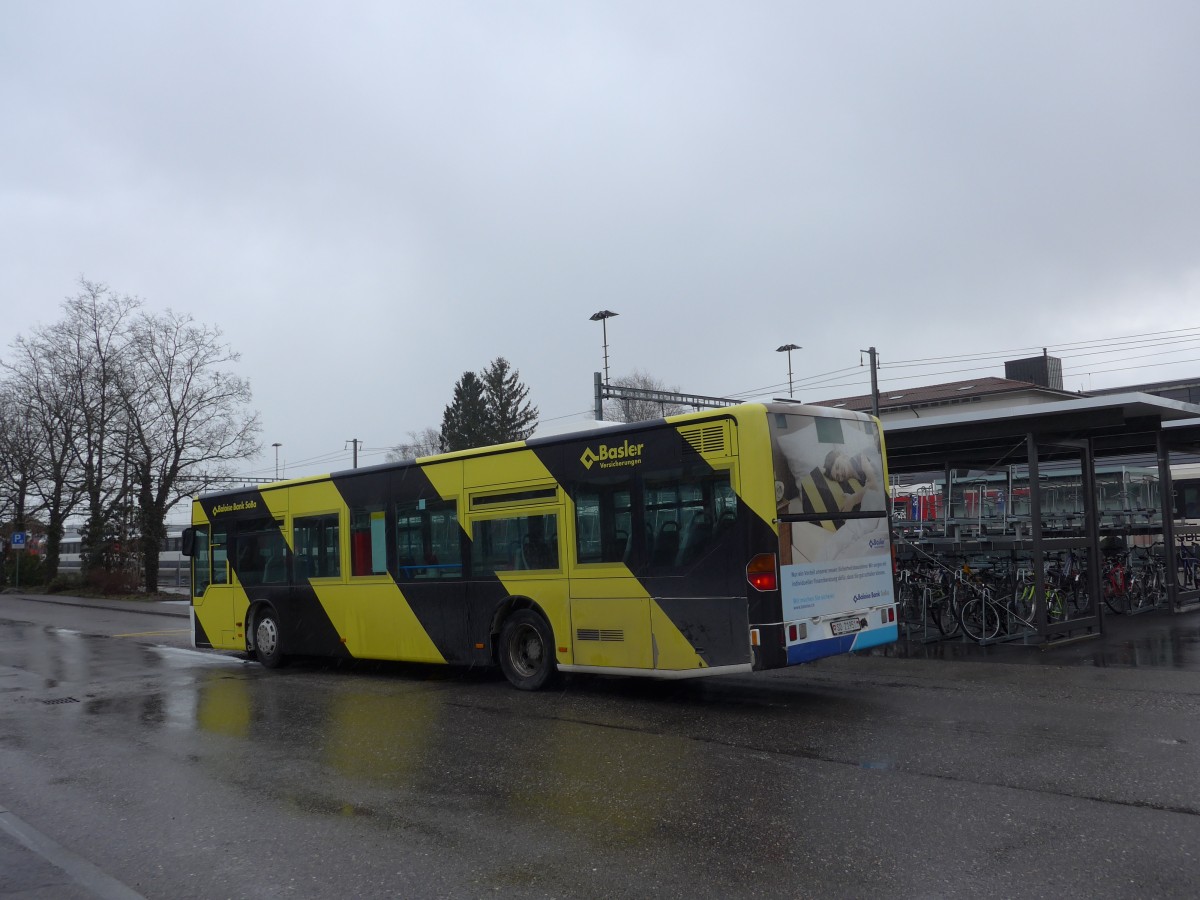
[947,394]
[1116,424]
[1152,387]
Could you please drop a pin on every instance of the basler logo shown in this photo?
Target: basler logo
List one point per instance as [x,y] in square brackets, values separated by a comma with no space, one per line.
[612,455]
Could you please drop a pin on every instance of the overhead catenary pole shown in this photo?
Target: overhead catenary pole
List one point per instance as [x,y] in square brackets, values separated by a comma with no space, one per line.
[788,348]
[354,442]
[602,317]
[874,380]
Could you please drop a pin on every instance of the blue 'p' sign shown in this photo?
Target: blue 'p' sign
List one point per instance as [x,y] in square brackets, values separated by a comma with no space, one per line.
[18,540]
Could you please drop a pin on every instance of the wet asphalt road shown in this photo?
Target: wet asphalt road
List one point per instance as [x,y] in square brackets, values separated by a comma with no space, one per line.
[129,763]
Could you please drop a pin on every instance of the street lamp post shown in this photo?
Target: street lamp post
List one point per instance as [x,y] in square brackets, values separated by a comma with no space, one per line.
[277,445]
[788,348]
[602,317]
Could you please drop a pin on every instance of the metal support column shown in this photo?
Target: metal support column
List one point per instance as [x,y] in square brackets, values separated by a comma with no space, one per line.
[1167,497]
[946,502]
[1035,532]
[1091,525]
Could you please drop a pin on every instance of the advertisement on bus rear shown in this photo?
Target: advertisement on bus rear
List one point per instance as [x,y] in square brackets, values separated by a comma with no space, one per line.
[828,473]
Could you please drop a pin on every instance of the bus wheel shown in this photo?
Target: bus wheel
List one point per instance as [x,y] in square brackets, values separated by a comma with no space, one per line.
[266,639]
[527,651]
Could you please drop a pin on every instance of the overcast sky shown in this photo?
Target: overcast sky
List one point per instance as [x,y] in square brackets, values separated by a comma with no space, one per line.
[370,198]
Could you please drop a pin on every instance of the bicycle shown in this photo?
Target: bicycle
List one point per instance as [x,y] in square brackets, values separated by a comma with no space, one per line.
[1025,604]
[1152,571]
[983,617]
[1114,583]
[980,616]
[1187,558]
[924,600]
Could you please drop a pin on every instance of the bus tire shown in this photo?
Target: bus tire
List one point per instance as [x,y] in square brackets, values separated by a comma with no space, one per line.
[267,645]
[527,651]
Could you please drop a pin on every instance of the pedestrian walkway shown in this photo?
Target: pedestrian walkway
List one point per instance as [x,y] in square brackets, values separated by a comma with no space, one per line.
[1151,640]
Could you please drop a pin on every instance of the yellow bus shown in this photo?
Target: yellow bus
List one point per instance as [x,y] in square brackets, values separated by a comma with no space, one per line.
[731,540]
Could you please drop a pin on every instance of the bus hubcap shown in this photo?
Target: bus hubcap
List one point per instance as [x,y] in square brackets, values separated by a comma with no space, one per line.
[266,636]
[527,650]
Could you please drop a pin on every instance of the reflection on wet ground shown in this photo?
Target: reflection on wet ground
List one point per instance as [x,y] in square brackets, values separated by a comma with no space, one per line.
[1152,640]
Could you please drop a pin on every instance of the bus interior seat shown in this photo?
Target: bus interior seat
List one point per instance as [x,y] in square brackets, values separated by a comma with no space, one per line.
[666,545]
[695,540]
[275,571]
[535,554]
[621,539]
[724,524]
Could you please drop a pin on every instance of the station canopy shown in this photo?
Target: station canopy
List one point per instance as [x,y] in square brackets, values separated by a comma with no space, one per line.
[1113,425]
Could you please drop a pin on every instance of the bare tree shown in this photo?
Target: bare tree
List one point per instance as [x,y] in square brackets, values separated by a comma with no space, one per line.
[18,456]
[92,344]
[188,419]
[427,442]
[38,377]
[627,409]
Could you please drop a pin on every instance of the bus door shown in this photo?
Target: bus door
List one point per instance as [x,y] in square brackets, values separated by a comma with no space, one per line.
[212,589]
[692,568]
[429,571]
[610,608]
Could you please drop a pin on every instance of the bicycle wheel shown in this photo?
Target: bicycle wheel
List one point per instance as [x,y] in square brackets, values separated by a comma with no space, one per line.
[980,620]
[1137,594]
[910,611]
[1056,605]
[1114,599]
[946,616]
[1022,603]
[1080,601]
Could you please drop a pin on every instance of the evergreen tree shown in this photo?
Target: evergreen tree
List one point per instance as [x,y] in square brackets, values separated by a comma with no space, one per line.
[465,423]
[511,416]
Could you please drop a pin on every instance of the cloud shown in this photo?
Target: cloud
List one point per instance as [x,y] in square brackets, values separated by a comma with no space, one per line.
[372,198]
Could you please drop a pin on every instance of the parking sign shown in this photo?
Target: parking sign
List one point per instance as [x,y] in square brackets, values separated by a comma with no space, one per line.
[18,540]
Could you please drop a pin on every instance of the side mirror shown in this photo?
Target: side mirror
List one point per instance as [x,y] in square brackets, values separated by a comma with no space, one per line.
[187,542]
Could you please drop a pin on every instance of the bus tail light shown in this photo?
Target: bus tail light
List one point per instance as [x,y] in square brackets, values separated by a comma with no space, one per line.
[761,572]
[887,615]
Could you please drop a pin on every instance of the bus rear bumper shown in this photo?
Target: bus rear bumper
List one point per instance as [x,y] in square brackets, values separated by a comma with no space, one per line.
[807,651]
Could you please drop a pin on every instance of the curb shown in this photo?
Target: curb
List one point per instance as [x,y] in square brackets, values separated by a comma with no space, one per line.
[150,608]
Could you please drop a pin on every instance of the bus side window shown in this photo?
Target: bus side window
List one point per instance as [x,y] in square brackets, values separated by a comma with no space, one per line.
[521,542]
[201,564]
[368,541]
[686,513]
[428,540]
[315,539]
[603,522]
[218,556]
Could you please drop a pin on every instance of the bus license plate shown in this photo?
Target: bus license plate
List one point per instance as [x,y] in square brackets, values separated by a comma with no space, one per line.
[846,626]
